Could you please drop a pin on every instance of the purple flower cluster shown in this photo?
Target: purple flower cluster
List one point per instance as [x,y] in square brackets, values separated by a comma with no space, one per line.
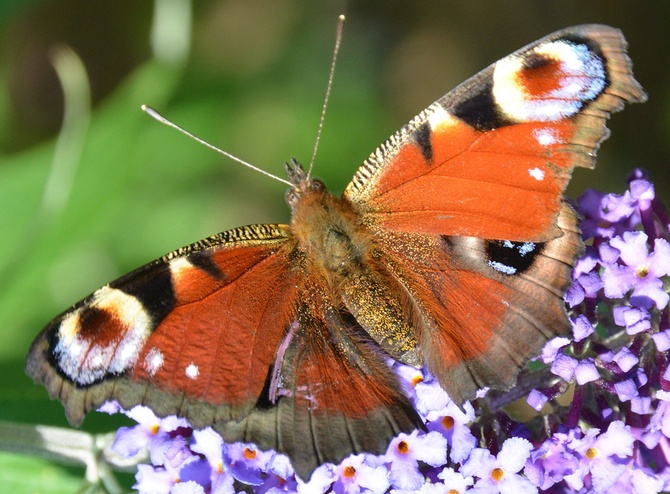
[603,397]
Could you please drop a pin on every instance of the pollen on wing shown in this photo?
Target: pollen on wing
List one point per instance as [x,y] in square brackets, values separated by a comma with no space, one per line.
[549,83]
[192,371]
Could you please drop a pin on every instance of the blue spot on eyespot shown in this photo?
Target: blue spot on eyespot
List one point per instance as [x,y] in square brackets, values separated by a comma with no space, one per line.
[498,266]
[509,257]
[525,248]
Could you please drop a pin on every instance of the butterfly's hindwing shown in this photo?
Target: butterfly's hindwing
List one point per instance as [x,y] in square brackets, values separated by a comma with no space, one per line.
[482,319]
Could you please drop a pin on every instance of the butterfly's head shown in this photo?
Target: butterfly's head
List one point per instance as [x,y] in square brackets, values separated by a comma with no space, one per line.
[302,184]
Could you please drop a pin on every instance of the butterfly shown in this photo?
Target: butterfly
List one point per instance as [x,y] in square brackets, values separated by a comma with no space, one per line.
[450,249]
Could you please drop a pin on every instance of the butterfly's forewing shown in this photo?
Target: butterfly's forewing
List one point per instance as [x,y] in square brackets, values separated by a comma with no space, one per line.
[465,203]
[193,333]
[491,158]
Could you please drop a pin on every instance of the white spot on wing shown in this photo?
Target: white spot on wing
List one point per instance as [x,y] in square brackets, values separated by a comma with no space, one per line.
[536,173]
[153,362]
[573,89]
[546,136]
[96,361]
[192,371]
[127,350]
[76,348]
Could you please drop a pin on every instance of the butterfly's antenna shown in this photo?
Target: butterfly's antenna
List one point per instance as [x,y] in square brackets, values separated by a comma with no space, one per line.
[338,40]
[150,111]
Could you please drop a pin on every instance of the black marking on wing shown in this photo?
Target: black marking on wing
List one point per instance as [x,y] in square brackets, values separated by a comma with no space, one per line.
[535,61]
[512,258]
[203,261]
[480,110]
[264,402]
[422,139]
[153,288]
[52,357]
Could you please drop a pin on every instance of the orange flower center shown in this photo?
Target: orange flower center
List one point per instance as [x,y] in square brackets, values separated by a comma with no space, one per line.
[349,472]
[642,271]
[154,429]
[591,453]
[403,447]
[497,474]
[448,422]
[417,379]
[249,454]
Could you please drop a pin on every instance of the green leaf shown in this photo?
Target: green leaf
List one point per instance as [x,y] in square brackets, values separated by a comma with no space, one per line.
[24,474]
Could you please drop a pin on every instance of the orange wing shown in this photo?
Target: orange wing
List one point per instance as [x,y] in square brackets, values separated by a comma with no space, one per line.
[194,333]
[491,158]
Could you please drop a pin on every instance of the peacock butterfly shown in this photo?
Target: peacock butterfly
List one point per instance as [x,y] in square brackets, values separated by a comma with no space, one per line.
[450,248]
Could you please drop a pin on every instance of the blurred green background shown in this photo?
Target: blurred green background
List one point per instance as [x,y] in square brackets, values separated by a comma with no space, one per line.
[248,76]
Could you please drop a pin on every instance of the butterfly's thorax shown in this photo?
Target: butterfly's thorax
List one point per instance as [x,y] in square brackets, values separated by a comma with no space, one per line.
[326,229]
